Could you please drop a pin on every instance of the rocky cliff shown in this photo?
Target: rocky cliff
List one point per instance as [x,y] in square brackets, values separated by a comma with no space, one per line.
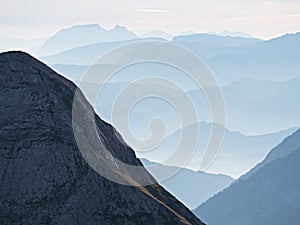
[43,177]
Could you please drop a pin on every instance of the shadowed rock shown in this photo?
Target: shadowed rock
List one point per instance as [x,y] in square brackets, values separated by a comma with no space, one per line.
[43,177]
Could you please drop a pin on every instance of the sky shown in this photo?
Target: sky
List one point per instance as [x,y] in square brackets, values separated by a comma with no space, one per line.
[39,18]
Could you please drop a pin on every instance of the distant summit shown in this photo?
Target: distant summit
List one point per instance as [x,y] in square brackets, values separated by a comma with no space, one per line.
[81,35]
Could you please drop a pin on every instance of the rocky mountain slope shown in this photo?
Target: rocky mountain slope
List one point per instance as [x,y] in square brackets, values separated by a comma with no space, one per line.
[43,176]
[269,194]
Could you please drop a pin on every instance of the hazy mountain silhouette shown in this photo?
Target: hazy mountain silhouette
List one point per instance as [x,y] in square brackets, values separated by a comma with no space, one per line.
[275,59]
[44,178]
[253,106]
[88,54]
[262,106]
[268,195]
[229,58]
[205,45]
[85,55]
[81,35]
[289,145]
[191,187]
[237,155]
[210,45]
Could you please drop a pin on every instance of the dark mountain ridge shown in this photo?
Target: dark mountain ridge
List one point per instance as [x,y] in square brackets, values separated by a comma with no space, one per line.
[43,176]
[268,194]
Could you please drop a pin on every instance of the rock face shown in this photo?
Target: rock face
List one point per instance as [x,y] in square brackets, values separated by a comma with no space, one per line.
[43,177]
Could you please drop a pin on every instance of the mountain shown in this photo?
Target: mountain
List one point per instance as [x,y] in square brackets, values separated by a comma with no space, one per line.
[290,145]
[262,106]
[190,187]
[210,45]
[44,177]
[84,55]
[229,58]
[253,106]
[276,59]
[233,58]
[206,45]
[258,101]
[81,35]
[268,195]
[88,54]
[237,154]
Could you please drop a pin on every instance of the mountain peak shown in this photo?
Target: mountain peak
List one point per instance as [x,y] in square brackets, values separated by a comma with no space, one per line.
[82,35]
[44,177]
[119,27]
[15,54]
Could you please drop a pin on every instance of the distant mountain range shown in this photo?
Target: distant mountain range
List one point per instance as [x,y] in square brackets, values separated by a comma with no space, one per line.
[262,106]
[237,155]
[205,45]
[268,194]
[190,187]
[211,45]
[230,55]
[44,176]
[289,145]
[253,106]
[81,35]
[87,55]
[244,67]
[275,59]
[230,58]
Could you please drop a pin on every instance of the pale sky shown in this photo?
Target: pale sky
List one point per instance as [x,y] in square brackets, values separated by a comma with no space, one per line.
[262,19]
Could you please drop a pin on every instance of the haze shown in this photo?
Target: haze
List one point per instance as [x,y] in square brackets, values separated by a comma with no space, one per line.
[262,19]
